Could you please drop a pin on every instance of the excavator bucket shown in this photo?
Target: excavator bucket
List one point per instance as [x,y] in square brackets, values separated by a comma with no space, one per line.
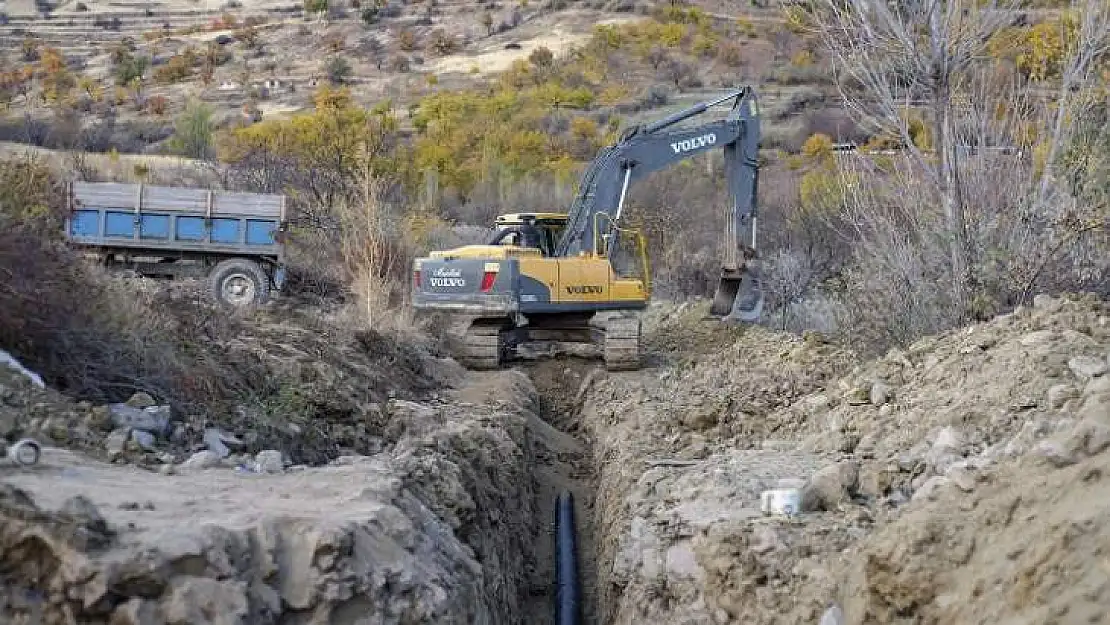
[739,296]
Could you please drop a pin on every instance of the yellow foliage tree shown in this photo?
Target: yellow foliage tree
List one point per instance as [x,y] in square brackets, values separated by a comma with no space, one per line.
[323,151]
[818,146]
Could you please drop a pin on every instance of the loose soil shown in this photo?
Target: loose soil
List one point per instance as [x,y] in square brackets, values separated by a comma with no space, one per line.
[960,479]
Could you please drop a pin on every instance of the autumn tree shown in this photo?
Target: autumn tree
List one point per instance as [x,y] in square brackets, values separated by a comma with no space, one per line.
[314,154]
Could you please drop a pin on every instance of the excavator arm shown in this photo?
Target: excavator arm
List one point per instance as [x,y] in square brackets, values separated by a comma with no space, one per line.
[603,190]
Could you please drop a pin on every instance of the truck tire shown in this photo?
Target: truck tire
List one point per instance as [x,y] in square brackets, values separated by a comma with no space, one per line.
[239,283]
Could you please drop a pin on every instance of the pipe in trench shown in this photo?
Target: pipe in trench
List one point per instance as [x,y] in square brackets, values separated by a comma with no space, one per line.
[568,603]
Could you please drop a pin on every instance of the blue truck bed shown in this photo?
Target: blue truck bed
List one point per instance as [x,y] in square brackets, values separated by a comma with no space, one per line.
[175,219]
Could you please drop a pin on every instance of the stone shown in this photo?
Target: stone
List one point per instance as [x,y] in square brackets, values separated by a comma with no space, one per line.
[1039,337]
[116,442]
[1087,367]
[880,393]
[947,448]
[214,442]
[1046,302]
[269,461]
[135,611]
[765,540]
[830,486]
[206,459]
[206,601]
[876,481]
[100,419]
[154,419]
[962,477]
[931,488]
[858,396]
[145,440]
[1059,394]
[141,400]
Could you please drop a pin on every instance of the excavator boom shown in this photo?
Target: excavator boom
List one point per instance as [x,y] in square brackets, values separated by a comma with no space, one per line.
[644,149]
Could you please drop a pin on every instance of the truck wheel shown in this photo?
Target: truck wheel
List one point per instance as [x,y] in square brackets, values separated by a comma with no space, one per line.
[239,283]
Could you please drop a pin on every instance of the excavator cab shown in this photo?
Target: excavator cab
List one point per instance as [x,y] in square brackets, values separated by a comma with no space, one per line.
[516,228]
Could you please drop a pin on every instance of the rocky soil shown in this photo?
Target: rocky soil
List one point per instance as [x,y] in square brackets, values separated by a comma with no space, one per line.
[436,527]
[958,480]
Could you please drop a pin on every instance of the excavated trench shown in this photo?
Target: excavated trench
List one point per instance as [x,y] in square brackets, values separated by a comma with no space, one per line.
[561,451]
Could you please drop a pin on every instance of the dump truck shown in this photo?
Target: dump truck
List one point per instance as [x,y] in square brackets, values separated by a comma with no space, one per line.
[233,241]
[583,275]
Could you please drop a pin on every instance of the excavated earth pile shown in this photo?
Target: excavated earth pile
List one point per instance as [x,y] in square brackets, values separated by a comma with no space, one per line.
[960,480]
[436,528]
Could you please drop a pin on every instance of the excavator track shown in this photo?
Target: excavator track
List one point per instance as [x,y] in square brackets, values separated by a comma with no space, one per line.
[481,347]
[622,344]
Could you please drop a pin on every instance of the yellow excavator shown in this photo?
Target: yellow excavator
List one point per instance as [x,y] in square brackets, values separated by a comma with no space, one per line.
[582,276]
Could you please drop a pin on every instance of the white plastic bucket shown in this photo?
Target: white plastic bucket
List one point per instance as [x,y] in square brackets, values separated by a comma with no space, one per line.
[785,501]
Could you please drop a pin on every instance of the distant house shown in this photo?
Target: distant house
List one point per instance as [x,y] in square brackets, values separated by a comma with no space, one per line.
[227,85]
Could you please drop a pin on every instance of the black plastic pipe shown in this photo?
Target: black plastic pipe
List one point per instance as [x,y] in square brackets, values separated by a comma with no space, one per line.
[568,603]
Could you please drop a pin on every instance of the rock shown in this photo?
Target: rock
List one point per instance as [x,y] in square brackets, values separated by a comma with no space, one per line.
[206,459]
[946,449]
[876,481]
[145,440]
[1087,367]
[1046,302]
[948,440]
[1059,394]
[206,601]
[136,611]
[1099,386]
[858,396]
[1039,337]
[963,477]
[141,400]
[154,419]
[1056,453]
[167,469]
[765,539]
[100,419]
[116,442]
[830,486]
[931,488]
[269,461]
[215,443]
[880,393]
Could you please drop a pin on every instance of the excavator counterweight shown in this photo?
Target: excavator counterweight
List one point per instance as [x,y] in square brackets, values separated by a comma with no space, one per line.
[583,276]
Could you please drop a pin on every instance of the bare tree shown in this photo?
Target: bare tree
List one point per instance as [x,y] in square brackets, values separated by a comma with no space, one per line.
[888,55]
[1091,43]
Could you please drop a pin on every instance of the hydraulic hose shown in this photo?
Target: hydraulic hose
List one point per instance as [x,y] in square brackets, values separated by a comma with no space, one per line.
[568,603]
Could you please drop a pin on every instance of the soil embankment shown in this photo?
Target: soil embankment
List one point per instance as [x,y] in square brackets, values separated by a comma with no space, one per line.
[961,479]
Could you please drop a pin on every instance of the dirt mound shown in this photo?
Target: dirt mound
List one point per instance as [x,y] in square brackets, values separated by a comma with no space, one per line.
[913,470]
[308,387]
[437,527]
